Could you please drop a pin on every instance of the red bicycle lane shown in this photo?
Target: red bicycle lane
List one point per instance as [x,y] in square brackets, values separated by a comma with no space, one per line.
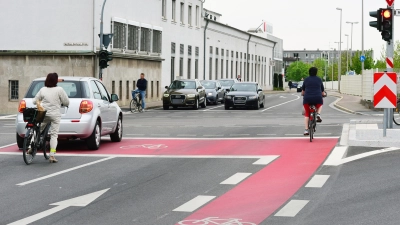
[252,200]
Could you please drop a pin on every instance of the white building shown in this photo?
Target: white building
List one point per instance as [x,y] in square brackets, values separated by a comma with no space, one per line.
[165,39]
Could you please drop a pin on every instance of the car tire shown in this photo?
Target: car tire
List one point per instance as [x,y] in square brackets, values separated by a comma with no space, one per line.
[196,104]
[204,104]
[165,107]
[262,104]
[117,135]
[257,107]
[227,107]
[93,142]
[20,141]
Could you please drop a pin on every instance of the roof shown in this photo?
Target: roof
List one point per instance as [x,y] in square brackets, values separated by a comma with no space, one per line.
[68,78]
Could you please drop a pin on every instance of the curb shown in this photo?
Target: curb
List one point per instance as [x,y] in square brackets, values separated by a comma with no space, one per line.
[344,108]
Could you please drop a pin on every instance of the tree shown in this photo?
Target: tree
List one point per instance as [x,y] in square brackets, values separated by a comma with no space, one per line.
[320,64]
[297,70]
[356,63]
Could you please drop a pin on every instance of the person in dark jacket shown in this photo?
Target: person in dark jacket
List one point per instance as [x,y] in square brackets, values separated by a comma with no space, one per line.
[313,91]
[141,84]
[290,85]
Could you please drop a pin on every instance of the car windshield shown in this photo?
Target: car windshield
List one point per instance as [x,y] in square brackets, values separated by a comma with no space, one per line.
[243,87]
[300,83]
[226,82]
[208,84]
[183,85]
[72,88]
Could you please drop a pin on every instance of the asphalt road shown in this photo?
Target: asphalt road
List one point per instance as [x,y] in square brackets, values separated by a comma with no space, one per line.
[184,165]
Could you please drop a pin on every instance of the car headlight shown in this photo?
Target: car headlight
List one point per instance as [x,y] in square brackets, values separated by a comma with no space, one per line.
[166,95]
[228,97]
[209,94]
[253,97]
[191,95]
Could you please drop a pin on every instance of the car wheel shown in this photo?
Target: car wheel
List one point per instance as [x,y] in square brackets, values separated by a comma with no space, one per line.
[257,107]
[20,141]
[223,99]
[262,104]
[117,135]
[93,142]
[204,104]
[227,107]
[196,104]
[165,107]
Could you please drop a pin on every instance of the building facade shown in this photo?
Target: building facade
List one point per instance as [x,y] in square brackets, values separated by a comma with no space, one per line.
[164,39]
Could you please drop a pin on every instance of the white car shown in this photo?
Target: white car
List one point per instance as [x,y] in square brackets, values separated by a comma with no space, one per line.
[92,111]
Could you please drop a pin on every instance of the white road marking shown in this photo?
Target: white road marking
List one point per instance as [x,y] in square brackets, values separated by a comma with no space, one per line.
[294,134]
[186,135]
[210,135]
[316,133]
[317,181]
[194,204]
[7,133]
[226,138]
[159,134]
[135,134]
[236,178]
[364,155]
[266,160]
[64,171]
[266,134]
[280,104]
[336,156]
[212,108]
[292,208]
[5,146]
[239,135]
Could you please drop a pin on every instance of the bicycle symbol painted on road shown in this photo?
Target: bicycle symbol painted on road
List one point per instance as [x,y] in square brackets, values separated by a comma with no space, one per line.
[216,221]
[148,146]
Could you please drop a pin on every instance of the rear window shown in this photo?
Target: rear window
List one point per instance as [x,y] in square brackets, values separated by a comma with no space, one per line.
[73,89]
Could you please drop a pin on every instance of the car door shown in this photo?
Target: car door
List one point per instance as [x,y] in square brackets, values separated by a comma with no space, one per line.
[101,105]
[110,111]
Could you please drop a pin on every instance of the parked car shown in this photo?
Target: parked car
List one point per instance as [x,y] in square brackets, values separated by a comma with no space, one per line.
[214,91]
[245,94]
[299,86]
[227,83]
[294,84]
[92,111]
[185,93]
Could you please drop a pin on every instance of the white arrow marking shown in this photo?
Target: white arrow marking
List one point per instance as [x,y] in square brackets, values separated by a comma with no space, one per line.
[80,201]
[336,157]
[282,97]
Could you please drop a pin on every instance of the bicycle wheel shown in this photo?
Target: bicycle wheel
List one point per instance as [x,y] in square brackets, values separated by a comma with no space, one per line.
[396,116]
[133,106]
[29,148]
[139,106]
[45,145]
[311,126]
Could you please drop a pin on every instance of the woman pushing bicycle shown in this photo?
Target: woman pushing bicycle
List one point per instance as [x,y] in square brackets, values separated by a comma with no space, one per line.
[313,91]
[51,98]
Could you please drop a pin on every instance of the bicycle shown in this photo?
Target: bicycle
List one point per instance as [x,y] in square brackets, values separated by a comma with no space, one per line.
[35,140]
[136,102]
[312,122]
[396,113]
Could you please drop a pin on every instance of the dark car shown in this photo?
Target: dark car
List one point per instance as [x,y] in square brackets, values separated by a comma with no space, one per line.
[245,94]
[299,86]
[214,91]
[294,84]
[185,93]
[227,83]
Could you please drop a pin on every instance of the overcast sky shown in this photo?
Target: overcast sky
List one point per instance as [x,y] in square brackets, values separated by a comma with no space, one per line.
[309,24]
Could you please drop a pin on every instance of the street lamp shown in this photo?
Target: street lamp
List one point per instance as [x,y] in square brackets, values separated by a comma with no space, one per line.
[351,39]
[347,55]
[340,49]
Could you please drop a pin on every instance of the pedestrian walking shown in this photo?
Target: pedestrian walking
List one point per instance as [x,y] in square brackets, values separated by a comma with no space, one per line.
[290,85]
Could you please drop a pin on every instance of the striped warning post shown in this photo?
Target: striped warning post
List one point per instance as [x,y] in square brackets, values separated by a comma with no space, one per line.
[385,89]
[389,62]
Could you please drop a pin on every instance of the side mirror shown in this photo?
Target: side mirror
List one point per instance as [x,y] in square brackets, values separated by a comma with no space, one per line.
[227,90]
[199,87]
[259,90]
[166,87]
[114,97]
[219,88]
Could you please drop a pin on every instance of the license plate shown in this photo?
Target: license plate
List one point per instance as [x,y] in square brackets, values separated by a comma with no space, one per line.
[177,101]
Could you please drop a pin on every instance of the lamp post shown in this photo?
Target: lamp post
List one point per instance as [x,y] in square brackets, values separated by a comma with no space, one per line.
[340,49]
[347,54]
[351,39]
[362,35]
[333,63]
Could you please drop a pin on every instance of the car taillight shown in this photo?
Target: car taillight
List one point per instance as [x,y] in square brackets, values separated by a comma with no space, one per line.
[22,106]
[86,106]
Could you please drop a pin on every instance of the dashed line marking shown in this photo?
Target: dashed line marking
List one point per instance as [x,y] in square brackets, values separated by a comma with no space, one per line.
[236,178]
[292,208]
[194,204]
[266,160]
[317,181]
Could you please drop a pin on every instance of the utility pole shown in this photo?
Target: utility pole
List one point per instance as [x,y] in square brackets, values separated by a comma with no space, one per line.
[101,38]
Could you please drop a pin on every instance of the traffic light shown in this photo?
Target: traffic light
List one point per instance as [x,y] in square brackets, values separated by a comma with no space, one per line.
[104,58]
[387,24]
[378,23]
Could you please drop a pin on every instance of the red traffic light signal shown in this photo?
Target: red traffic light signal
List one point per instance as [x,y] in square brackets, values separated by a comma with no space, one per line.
[387,13]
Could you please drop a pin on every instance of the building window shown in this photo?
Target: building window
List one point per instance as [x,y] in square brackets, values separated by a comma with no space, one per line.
[241,55]
[216,69]
[133,37]
[236,69]
[182,13]
[210,70]
[158,89]
[227,68]
[113,86]
[197,16]
[189,68]
[237,55]
[197,51]
[127,90]
[164,9]
[190,50]
[120,88]
[13,90]
[312,56]
[145,38]
[172,68]
[190,15]
[181,67]
[232,54]
[216,51]
[172,48]
[174,10]
[232,69]
[196,69]
[227,53]
[222,67]
[211,50]
[152,89]
[222,52]
[182,49]
[157,41]
[119,35]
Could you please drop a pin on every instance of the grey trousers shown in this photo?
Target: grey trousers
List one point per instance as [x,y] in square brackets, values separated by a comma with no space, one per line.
[54,128]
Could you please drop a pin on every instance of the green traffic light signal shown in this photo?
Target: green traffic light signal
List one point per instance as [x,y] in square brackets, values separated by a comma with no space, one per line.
[378,23]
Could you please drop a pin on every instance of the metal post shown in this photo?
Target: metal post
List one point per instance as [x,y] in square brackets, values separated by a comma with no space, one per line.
[362,36]
[389,54]
[101,38]
[340,52]
[385,116]
[347,54]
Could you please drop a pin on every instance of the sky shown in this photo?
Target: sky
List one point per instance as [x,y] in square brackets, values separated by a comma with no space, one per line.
[307,24]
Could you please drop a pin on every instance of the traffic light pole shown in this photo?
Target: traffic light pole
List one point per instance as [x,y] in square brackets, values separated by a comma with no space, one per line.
[101,38]
[389,55]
